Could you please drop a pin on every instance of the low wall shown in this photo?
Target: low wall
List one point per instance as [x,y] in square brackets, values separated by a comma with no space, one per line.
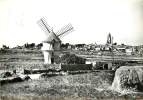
[44,69]
[59,67]
[76,67]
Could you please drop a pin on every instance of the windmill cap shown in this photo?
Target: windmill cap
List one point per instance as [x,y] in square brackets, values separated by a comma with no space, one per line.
[52,36]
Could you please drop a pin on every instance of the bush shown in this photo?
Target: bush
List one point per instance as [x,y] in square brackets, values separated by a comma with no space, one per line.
[72,59]
[69,59]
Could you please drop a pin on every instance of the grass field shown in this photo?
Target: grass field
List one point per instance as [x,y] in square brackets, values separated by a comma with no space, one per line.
[95,85]
[90,85]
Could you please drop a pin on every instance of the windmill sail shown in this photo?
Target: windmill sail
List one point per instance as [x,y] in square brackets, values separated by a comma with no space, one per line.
[64,30]
[44,26]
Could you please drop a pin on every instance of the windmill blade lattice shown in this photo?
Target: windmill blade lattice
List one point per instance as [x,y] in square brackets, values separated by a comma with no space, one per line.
[44,26]
[64,30]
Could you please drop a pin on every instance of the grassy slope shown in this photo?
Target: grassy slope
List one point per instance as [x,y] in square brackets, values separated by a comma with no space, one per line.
[91,86]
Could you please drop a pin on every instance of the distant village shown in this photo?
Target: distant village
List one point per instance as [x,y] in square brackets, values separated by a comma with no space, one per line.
[118,49]
[93,48]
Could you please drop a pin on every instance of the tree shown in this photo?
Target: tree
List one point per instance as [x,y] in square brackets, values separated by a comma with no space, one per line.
[39,46]
[5,47]
[123,44]
[28,46]
[115,43]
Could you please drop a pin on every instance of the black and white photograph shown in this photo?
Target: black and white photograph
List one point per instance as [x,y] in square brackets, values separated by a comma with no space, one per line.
[71,49]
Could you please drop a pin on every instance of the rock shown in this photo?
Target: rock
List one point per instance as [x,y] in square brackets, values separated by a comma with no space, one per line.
[26,78]
[128,78]
[6,74]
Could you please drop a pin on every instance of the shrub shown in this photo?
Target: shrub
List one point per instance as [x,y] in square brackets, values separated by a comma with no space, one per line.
[69,59]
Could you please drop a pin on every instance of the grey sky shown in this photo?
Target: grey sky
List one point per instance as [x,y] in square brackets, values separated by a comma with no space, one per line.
[92,20]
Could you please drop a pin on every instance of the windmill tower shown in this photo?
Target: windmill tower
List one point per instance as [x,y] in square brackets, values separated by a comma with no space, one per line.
[52,42]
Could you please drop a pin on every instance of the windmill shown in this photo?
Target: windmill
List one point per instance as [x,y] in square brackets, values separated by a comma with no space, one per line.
[52,42]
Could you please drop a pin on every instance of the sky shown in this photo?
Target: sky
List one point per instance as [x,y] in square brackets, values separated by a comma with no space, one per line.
[92,20]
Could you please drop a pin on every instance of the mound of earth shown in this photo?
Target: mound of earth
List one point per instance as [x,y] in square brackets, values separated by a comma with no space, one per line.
[128,78]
